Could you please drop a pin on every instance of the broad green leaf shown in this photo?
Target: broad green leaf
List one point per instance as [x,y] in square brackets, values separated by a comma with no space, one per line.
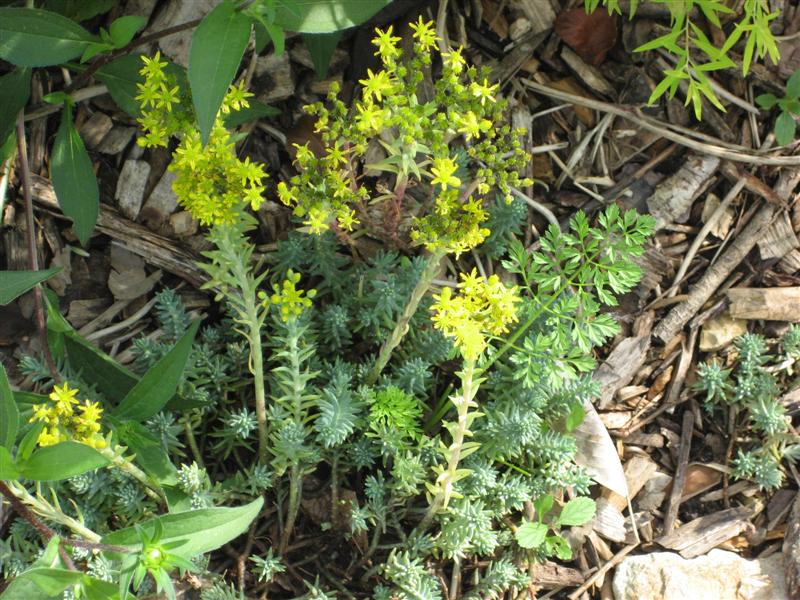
[531,535]
[218,45]
[266,32]
[577,511]
[49,582]
[785,126]
[121,76]
[196,531]
[542,505]
[257,110]
[112,379]
[150,455]
[321,46]
[28,443]
[15,283]
[80,10]
[61,461]
[15,88]
[31,37]
[559,546]
[792,86]
[326,16]
[123,29]
[575,417]
[766,101]
[73,178]
[9,414]
[8,470]
[159,384]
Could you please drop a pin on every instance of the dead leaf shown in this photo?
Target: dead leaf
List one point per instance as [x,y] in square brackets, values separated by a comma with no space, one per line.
[591,35]
[699,478]
[597,454]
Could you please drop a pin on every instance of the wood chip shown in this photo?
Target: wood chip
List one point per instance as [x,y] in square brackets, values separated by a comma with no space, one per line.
[673,198]
[619,368]
[589,75]
[771,304]
[704,533]
[638,470]
[549,575]
[95,128]
[273,79]
[608,521]
[779,238]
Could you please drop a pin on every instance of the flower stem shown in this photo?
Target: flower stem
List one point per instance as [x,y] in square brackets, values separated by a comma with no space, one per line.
[401,328]
[115,457]
[445,481]
[257,369]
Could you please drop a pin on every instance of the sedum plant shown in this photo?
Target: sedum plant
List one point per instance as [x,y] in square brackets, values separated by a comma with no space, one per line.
[424,417]
[748,390]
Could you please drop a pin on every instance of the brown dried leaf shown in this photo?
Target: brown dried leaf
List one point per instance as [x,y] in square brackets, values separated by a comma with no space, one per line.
[590,35]
[597,454]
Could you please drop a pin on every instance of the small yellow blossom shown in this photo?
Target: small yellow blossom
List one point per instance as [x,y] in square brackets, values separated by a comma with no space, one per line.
[63,424]
[484,306]
[455,60]
[484,91]
[471,126]
[444,172]
[386,44]
[424,33]
[290,301]
[377,84]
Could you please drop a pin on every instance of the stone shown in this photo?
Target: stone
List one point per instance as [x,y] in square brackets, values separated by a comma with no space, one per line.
[273,79]
[177,12]
[720,331]
[130,187]
[718,575]
[95,129]
[116,140]
[161,203]
[183,224]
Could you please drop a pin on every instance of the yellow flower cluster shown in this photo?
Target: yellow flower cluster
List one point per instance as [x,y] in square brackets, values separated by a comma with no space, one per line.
[484,307]
[211,181]
[416,132]
[290,301]
[62,423]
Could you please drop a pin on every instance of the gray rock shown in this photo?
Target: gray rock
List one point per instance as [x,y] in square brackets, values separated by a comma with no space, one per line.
[161,203]
[273,79]
[116,140]
[177,12]
[719,575]
[130,187]
[95,129]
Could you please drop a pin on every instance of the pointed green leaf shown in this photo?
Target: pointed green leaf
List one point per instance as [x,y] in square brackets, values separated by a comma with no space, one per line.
[785,126]
[321,46]
[325,16]
[8,470]
[112,379]
[9,414]
[123,29]
[196,531]
[73,178]
[30,37]
[577,511]
[61,461]
[530,535]
[792,86]
[159,384]
[15,88]
[150,455]
[28,443]
[766,101]
[217,48]
[15,283]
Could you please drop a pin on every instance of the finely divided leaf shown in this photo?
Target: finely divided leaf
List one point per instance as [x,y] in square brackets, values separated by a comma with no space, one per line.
[30,37]
[73,178]
[217,48]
